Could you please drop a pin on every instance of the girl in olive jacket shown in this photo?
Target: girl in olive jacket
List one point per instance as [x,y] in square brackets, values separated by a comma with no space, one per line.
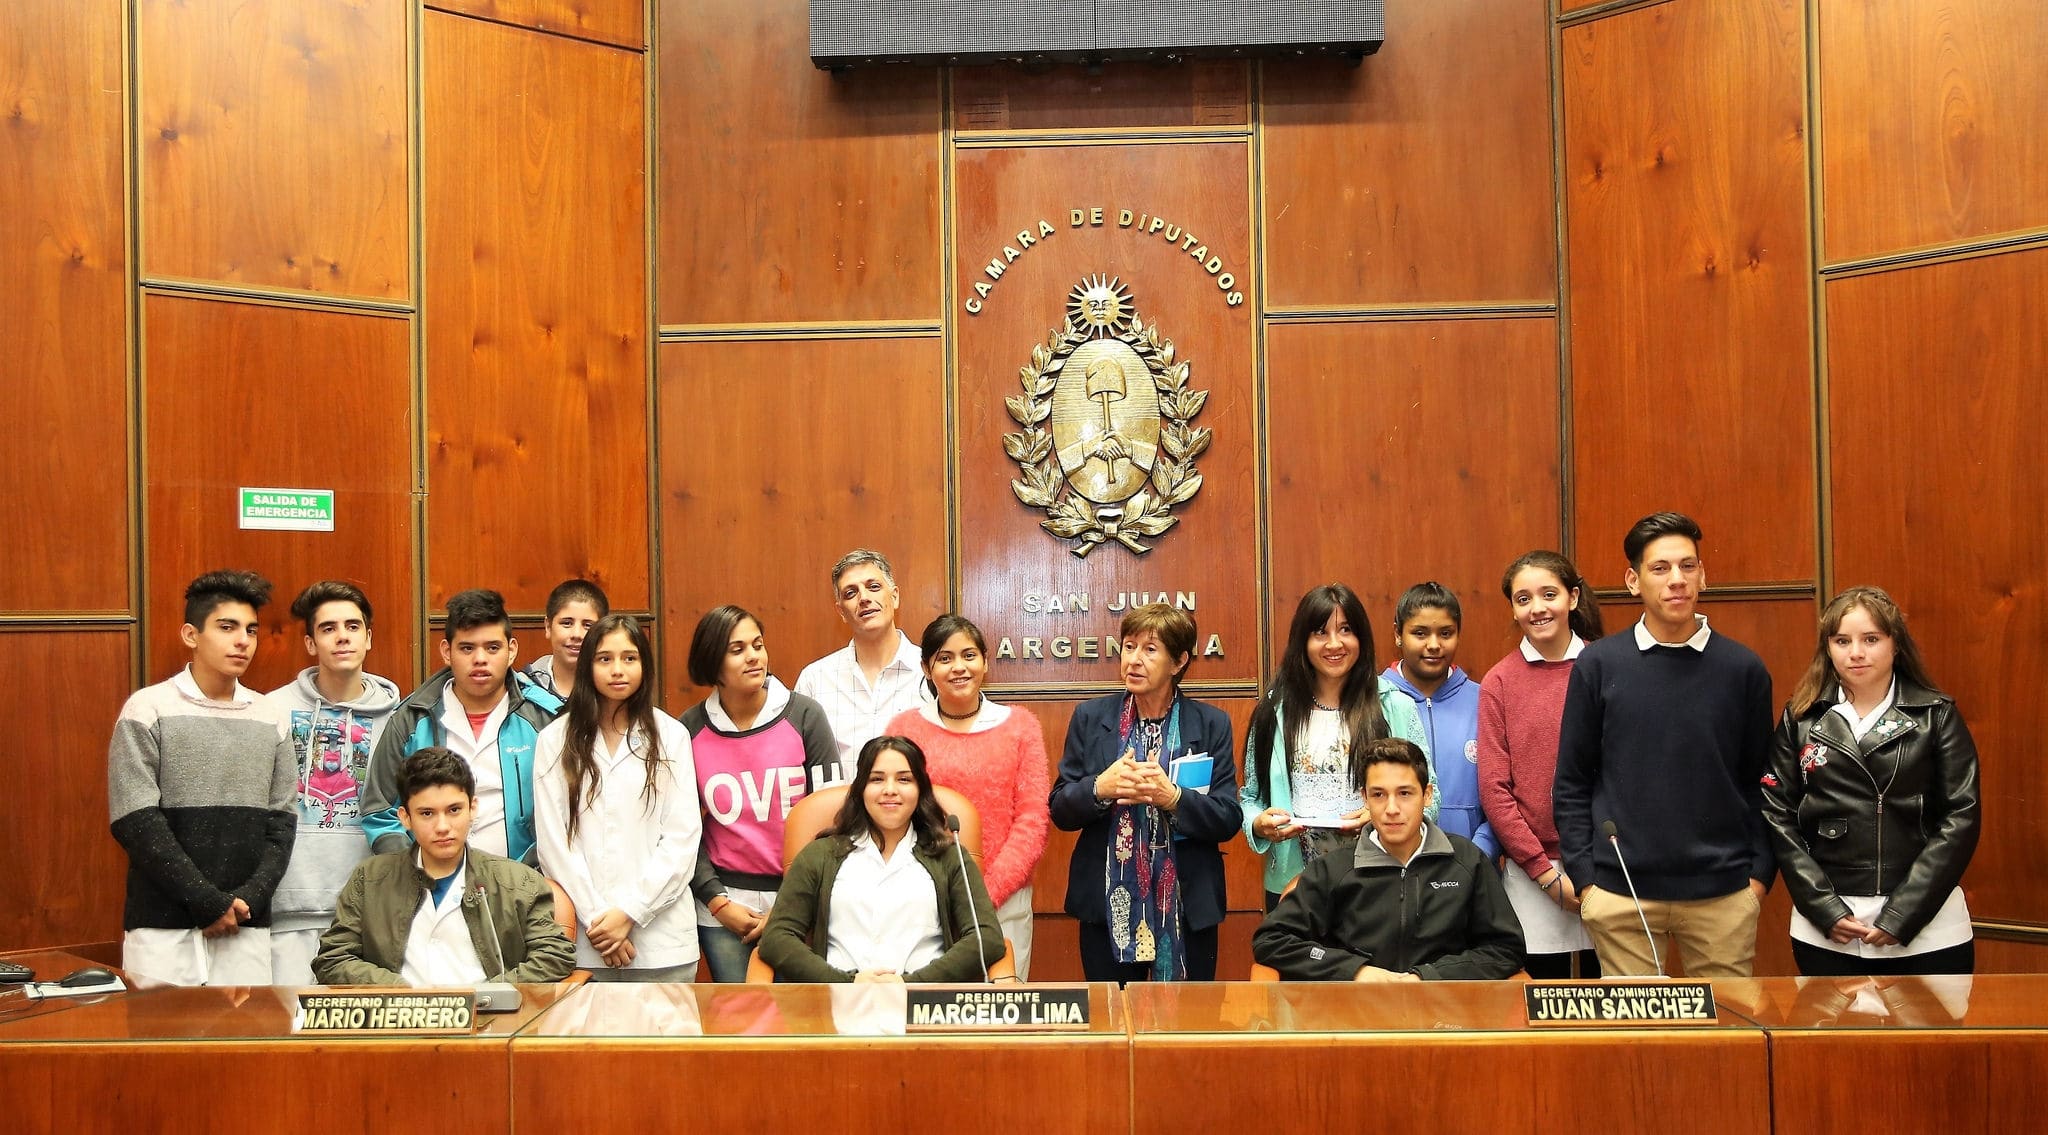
[910,906]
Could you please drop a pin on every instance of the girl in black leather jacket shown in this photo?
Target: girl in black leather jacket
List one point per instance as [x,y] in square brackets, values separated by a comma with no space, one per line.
[1871,801]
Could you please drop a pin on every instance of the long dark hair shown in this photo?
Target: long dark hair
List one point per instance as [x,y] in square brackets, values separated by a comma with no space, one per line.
[1891,621]
[1584,619]
[927,820]
[1292,690]
[586,713]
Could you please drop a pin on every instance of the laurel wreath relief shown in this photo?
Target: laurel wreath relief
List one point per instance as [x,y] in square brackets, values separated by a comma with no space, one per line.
[1148,512]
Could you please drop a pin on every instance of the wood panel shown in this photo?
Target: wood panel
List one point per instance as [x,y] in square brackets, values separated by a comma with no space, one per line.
[250,395]
[1111,96]
[536,318]
[1690,343]
[621,22]
[65,320]
[274,143]
[66,1087]
[1932,114]
[1952,1081]
[1197,195]
[63,691]
[1400,452]
[854,1084]
[1422,176]
[1937,499]
[778,458]
[788,193]
[1995,956]
[1516,1079]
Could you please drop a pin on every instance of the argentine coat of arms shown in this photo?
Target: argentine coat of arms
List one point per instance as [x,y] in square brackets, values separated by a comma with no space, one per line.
[1108,443]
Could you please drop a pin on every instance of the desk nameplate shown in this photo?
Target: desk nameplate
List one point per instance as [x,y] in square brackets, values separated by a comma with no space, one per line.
[1610,1003]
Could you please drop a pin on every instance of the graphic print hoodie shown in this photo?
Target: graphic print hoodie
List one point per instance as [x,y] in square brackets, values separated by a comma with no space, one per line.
[332,741]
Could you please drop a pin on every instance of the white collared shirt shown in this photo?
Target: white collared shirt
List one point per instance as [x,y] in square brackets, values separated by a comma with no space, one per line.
[1530,653]
[188,686]
[1862,725]
[487,829]
[1422,839]
[859,712]
[1645,640]
[885,912]
[438,950]
[631,853]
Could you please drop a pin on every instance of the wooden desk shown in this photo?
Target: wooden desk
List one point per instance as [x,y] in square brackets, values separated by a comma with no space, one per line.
[1912,1053]
[1440,1056]
[805,1058]
[49,965]
[224,1059]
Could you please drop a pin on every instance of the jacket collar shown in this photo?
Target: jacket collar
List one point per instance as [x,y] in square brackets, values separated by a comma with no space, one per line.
[1368,854]
[1896,723]
[1109,720]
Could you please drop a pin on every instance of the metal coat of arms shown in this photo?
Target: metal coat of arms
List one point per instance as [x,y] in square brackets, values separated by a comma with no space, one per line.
[1108,444]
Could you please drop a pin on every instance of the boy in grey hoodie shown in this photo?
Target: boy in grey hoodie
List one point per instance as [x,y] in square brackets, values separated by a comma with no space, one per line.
[332,713]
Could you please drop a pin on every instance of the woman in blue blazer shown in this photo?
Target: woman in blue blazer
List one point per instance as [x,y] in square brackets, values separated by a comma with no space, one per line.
[1148,780]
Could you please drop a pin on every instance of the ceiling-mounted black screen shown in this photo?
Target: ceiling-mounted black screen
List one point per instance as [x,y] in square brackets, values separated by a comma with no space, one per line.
[851,33]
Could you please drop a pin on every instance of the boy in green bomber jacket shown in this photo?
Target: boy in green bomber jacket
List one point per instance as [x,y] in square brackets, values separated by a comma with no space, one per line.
[442,912]
[1413,903]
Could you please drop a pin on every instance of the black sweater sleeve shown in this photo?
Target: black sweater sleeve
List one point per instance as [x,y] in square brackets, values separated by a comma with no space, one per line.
[1294,939]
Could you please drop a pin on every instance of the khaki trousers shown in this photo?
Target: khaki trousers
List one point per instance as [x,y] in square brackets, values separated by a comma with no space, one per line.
[1715,937]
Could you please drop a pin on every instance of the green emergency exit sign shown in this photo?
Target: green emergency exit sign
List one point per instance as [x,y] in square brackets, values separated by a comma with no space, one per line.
[288,510]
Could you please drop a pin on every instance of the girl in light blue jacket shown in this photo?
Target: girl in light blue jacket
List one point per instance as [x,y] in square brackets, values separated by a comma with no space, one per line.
[1326,700]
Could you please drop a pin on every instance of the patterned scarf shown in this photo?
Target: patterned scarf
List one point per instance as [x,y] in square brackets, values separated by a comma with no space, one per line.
[1141,880]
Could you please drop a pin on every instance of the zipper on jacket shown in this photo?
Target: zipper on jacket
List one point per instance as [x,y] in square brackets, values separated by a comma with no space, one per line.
[1880,838]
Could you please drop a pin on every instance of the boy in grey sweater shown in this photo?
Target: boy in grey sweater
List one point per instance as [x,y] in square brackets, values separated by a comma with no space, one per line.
[199,785]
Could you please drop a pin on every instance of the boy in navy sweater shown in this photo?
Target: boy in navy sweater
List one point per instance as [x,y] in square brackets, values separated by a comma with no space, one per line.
[1664,737]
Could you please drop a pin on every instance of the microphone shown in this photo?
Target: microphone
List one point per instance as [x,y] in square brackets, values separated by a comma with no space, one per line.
[1614,837]
[491,927]
[980,946]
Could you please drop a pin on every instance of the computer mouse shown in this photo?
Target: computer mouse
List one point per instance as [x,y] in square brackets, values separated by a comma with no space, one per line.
[91,975]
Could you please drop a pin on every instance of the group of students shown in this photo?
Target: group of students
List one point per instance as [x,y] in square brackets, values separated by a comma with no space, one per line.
[515,824]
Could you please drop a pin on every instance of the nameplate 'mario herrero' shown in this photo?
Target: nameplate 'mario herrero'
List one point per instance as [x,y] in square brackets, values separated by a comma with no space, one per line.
[1609,1003]
[996,1008]
[386,1012]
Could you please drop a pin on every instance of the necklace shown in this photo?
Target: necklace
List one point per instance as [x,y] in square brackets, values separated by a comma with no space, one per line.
[970,716]
[1318,702]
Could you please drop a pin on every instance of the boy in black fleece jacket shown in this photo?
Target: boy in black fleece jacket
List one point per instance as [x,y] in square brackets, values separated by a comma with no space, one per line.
[1411,903]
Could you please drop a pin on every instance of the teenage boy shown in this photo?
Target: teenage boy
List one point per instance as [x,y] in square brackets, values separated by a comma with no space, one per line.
[442,912]
[1664,739]
[483,711]
[872,678]
[333,711]
[199,787]
[1426,625]
[1412,902]
[574,606]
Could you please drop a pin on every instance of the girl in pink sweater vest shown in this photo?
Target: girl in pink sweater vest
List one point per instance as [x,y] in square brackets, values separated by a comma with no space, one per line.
[995,756]
[1521,706]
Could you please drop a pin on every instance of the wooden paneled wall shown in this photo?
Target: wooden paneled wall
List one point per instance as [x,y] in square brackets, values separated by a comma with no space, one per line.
[401,255]
[632,291]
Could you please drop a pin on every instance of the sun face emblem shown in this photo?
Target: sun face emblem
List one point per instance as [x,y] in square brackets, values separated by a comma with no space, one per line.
[1100,307]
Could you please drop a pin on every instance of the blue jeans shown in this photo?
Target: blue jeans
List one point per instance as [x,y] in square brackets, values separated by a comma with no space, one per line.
[723,953]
